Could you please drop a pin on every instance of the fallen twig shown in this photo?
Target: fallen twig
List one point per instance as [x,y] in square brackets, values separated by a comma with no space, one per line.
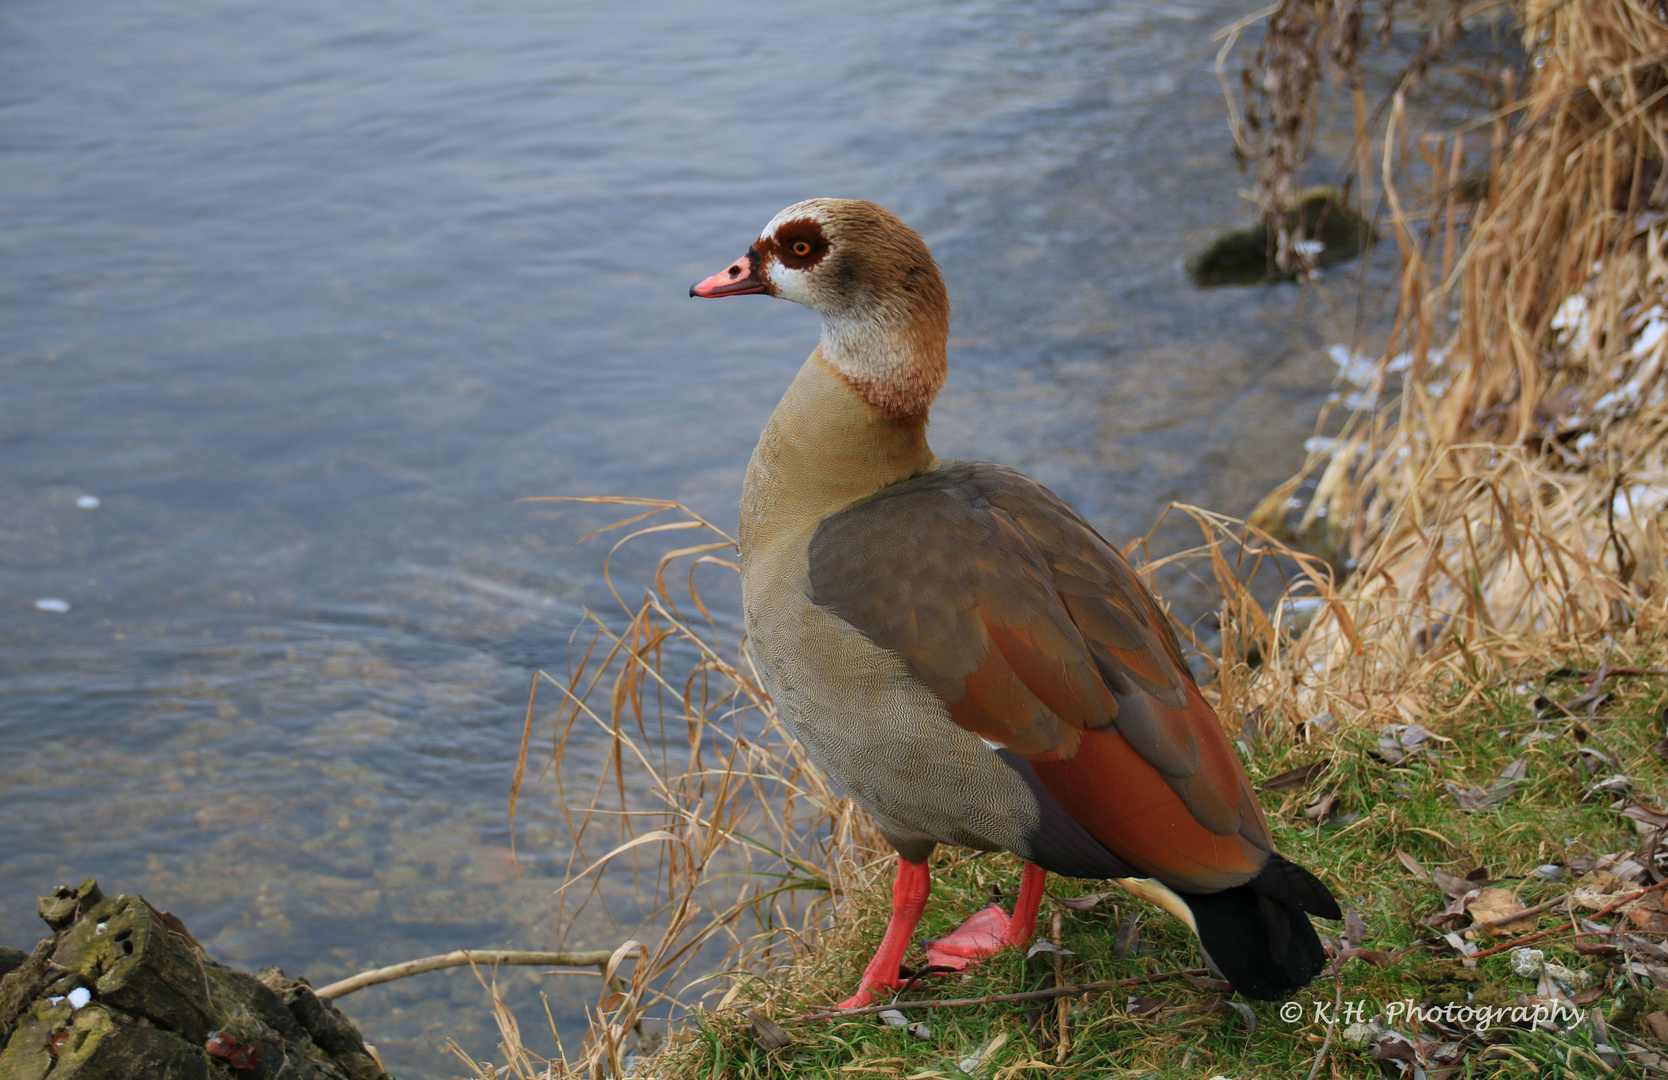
[597,958]
[1560,929]
[997,999]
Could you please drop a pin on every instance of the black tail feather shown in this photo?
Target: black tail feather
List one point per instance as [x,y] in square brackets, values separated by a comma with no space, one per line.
[1257,934]
[1296,887]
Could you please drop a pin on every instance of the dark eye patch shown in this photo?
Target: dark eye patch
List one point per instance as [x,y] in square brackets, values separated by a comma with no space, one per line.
[800,244]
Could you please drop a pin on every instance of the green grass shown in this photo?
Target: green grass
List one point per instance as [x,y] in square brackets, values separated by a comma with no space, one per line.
[1550,817]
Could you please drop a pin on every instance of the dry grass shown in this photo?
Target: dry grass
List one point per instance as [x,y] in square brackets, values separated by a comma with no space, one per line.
[737,839]
[1506,492]
[1497,501]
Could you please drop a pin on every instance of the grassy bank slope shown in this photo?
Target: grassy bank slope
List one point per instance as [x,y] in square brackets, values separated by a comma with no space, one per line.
[1547,834]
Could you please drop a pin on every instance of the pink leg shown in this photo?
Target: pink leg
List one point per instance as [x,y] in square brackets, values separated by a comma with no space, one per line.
[1023,925]
[909,899]
[991,930]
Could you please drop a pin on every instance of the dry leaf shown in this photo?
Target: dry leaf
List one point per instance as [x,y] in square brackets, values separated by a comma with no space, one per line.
[1648,816]
[1595,948]
[1591,756]
[1294,778]
[1465,798]
[1414,866]
[1080,903]
[1391,1046]
[768,1033]
[1047,947]
[896,1018]
[1596,890]
[1657,1024]
[1458,886]
[1613,787]
[1399,742]
[974,1062]
[1206,983]
[1375,957]
[1482,798]
[1648,949]
[1323,807]
[1629,870]
[1494,905]
[1642,918]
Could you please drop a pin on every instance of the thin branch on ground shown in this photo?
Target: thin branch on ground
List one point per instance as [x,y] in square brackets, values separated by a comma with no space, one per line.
[997,999]
[597,958]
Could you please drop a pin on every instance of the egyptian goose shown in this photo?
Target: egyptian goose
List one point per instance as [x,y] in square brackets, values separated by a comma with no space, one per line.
[963,653]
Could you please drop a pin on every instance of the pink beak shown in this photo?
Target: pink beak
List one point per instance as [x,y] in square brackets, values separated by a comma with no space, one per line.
[741,278]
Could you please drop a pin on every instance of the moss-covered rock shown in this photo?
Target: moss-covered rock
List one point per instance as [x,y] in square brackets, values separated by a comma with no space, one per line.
[97,1043]
[122,991]
[1445,983]
[1246,256]
[1637,1002]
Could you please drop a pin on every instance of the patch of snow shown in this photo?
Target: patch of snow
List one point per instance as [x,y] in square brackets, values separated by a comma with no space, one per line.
[1639,499]
[1622,395]
[1352,366]
[1655,329]
[1571,319]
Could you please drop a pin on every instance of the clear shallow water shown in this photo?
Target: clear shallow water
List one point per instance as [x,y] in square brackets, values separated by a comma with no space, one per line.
[308,294]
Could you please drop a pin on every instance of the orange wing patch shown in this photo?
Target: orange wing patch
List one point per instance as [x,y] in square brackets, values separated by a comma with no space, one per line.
[1131,808]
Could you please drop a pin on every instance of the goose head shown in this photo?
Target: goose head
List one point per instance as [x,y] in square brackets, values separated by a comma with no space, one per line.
[885,313]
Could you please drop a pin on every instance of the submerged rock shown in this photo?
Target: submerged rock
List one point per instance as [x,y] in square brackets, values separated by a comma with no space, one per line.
[122,991]
[1246,256]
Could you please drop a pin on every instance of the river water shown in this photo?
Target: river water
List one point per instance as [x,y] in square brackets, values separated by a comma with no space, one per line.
[306,295]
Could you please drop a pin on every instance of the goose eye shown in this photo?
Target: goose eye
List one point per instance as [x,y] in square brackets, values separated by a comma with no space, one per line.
[801,248]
